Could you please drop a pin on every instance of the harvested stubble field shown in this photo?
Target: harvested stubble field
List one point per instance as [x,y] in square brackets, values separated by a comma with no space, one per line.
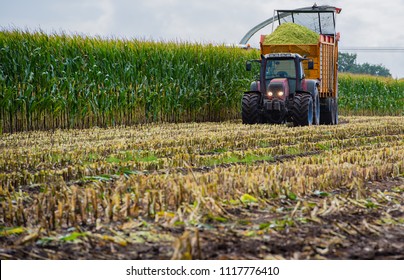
[205,191]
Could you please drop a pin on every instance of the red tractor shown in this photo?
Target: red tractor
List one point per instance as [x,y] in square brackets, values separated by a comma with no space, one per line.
[298,82]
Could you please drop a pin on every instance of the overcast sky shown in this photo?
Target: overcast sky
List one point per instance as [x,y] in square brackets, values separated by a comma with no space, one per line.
[370,23]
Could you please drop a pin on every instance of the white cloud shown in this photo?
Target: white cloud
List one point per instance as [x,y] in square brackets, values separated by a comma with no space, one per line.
[371,23]
[105,17]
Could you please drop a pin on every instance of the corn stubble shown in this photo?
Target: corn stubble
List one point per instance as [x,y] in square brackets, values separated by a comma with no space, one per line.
[125,186]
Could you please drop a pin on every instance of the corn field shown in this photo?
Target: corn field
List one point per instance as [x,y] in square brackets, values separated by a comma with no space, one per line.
[61,81]
[367,95]
[205,191]
[73,82]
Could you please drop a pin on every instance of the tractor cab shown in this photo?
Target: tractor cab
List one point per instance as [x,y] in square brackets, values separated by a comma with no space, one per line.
[282,69]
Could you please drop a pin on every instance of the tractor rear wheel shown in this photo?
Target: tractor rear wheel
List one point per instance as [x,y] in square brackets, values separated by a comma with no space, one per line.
[249,108]
[302,110]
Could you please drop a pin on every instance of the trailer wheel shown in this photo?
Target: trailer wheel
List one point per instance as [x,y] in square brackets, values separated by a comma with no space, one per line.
[249,108]
[329,112]
[335,111]
[302,110]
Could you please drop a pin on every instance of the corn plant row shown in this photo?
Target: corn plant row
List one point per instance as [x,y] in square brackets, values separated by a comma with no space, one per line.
[367,95]
[62,81]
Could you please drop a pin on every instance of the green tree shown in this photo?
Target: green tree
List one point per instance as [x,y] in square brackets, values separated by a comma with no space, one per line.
[347,63]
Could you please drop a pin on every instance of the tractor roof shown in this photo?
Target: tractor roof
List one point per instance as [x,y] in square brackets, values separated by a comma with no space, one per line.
[283,55]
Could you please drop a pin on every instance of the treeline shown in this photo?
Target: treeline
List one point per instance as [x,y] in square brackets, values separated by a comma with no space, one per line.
[347,63]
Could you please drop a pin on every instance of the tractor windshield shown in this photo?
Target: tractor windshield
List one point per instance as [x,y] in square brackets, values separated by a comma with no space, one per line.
[280,68]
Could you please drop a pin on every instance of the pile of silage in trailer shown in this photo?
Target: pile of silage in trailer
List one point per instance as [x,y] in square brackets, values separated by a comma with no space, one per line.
[291,33]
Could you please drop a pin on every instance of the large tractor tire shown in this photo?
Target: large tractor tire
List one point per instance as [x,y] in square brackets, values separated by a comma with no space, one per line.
[329,112]
[249,108]
[302,110]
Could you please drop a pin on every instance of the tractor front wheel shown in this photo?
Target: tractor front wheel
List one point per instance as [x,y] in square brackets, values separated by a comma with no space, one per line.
[249,108]
[302,110]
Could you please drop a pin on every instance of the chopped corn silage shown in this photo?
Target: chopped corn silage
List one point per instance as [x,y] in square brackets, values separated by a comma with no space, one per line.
[291,33]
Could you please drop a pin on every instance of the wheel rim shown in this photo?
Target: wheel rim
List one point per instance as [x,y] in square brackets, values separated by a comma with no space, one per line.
[317,109]
[310,113]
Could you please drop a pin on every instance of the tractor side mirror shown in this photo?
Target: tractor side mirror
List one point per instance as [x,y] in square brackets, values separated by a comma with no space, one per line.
[248,66]
[310,64]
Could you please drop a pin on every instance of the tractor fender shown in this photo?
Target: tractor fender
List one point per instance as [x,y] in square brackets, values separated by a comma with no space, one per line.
[310,86]
[255,86]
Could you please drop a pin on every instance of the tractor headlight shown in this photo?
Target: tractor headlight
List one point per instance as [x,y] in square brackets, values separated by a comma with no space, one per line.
[270,93]
[280,93]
